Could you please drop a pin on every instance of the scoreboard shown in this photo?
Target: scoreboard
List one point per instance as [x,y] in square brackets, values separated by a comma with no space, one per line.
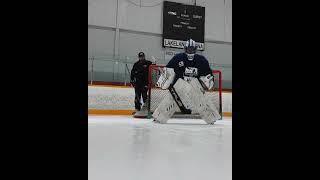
[182,22]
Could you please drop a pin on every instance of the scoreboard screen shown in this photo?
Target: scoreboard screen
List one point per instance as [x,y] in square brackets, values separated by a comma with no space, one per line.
[182,22]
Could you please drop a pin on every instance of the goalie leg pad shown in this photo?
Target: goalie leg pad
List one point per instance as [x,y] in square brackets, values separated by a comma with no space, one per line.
[185,91]
[192,96]
[207,111]
[165,110]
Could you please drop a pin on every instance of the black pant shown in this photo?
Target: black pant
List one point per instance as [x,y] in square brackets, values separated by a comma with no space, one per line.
[140,90]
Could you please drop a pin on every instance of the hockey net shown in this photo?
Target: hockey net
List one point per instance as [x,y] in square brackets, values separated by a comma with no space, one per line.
[155,94]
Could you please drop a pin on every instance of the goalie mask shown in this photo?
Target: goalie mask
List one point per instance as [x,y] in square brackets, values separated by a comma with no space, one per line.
[190,49]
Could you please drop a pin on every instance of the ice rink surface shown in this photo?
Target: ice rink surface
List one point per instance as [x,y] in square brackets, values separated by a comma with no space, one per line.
[124,148]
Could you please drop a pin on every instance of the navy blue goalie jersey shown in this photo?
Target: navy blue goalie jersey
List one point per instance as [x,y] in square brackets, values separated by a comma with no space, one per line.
[185,68]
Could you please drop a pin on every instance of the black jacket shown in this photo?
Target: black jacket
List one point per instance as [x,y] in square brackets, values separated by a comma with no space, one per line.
[139,72]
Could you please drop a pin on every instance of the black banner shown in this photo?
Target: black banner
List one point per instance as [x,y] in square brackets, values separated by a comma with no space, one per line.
[182,22]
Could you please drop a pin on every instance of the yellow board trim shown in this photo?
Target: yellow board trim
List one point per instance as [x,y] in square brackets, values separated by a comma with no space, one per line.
[110,112]
[228,114]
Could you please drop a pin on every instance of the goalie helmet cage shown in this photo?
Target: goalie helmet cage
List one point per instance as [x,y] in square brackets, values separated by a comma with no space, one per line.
[155,94]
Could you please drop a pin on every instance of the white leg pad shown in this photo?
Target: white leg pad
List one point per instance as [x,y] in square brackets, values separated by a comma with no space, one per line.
[191,95]
[165,110]
[207,111]
[184,91]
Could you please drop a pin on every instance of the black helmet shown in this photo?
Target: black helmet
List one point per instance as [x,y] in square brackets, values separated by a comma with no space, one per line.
[141,54]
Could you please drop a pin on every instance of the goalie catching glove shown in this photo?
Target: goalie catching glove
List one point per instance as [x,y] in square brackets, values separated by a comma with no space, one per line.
[207,81]
[166,78]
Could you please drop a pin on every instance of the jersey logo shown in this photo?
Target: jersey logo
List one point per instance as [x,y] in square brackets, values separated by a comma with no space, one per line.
[181,64]
[191,71]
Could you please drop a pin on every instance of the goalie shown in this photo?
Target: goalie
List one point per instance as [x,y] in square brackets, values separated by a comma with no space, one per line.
[186,76]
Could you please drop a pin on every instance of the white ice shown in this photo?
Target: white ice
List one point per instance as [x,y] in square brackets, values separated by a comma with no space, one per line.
[124,148]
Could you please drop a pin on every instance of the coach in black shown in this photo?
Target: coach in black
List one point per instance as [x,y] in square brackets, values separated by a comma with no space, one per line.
[139,79]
